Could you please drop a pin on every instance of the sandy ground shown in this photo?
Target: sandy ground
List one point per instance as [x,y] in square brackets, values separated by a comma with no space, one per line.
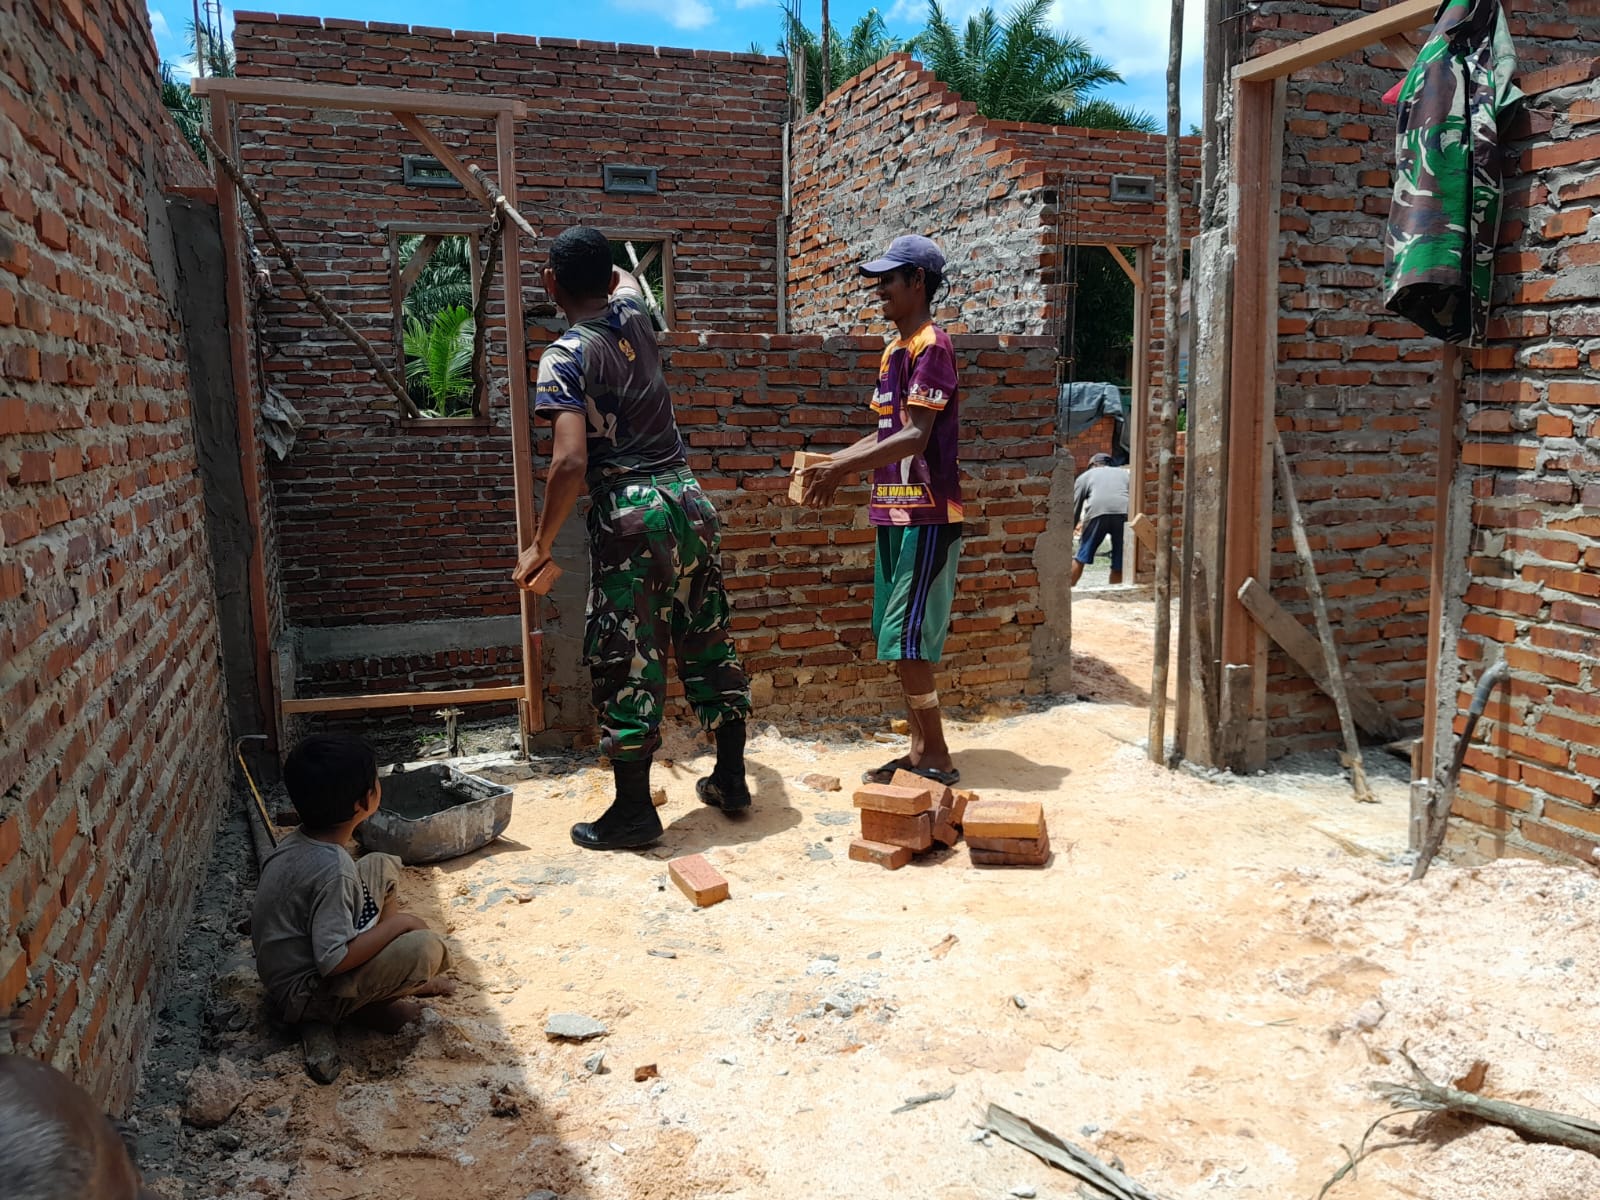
[1202,985]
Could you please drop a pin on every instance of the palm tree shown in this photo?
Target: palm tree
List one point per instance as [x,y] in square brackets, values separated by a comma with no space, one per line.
[185,107]
[446,282]
[1018,69]
[439,362]
[869,41]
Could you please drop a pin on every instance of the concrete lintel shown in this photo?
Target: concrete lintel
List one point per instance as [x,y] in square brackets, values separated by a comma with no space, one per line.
[338,643]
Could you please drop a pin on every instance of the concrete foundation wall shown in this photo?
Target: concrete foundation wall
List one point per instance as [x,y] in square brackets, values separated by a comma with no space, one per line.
[113,748]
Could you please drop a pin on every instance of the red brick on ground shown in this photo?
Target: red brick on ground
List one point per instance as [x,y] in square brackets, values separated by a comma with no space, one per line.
[1004,819]
[889,857]
[698,880]
[885,797]
[914,832]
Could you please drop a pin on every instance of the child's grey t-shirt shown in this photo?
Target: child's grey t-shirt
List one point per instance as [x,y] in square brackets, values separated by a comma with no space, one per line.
[309,904]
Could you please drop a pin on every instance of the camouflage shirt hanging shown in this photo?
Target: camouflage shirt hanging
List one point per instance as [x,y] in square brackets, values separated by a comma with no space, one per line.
[1439,247]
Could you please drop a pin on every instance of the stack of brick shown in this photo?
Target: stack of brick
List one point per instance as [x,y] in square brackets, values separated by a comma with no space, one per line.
[907,816]
[1007,833]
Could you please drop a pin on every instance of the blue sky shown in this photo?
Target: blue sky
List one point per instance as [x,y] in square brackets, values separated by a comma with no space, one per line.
[1132,34]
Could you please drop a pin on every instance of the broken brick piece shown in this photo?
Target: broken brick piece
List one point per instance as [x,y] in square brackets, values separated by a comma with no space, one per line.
[820,782]
[698,880]
[891,858]
[1003,818]
[962,797]
[885,797]
[939,793]
[658,796]
[914,832]
[946,830]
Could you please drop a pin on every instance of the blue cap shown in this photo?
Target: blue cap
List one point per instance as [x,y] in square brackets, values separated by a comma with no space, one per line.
[908,250]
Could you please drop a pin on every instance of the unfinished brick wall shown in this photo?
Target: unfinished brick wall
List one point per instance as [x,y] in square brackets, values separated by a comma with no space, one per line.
[801,581]
[709,121]
[113,754]
[1355,384]
[1529,491]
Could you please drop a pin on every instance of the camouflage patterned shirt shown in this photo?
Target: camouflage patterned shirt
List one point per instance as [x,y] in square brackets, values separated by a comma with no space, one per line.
[1445,217]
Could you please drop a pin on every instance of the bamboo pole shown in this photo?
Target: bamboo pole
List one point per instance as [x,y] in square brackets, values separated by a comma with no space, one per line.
[313,296]
[1167,415]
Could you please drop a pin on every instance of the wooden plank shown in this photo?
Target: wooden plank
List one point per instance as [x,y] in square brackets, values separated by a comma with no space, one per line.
[530,605]
[239,323]
[1298,643]
[1253,230]
[418,262]
[1145,530]
[1447,402]
[259,90]
[1127,267]
[1401,49]
[1336,43]
[446,157]
[1330,649]
[1139,402]
[479,695]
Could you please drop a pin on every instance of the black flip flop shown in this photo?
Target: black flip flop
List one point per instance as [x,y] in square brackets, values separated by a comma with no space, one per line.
[886,772]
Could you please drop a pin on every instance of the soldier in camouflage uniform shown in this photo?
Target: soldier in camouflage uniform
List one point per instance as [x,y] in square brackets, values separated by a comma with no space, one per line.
[654,546]
[1445,217]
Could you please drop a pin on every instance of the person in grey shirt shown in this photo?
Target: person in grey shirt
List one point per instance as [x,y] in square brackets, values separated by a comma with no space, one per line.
[1100,509]
[330,938]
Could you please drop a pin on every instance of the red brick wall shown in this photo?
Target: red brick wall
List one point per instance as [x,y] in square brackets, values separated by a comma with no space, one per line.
[709,120]
[1355,384]
[396,544]
[1529,483]
[112,762]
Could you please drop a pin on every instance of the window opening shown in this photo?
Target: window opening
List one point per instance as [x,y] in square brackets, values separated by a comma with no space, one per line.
[435,280]
[649,259]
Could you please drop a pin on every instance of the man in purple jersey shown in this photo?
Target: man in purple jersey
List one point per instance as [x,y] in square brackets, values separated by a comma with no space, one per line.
[916,494]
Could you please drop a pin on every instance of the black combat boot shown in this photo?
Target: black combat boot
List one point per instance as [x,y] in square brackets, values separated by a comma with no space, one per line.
[725,787]
[631,822]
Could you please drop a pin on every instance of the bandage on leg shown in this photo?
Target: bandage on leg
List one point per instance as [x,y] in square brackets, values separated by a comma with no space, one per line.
[926,700]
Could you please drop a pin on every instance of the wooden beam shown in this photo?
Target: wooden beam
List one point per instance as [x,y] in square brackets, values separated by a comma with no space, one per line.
[258,90]
[1297,642]
[1337,42]
[1127,267]
[1252,380]
[1145,530]
[418,262]
[531,709]
[1447,401]
[478,695]
[1139,406]
[245,415]
[1401,48]
[446,157]
[1333,670]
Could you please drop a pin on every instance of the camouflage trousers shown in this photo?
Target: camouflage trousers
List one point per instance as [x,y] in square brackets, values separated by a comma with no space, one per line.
[656,586]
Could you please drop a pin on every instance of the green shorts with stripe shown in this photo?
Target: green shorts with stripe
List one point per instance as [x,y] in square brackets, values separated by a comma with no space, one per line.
[912,590]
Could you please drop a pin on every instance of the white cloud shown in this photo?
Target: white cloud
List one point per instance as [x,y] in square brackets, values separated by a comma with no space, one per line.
[682,14]
[158,24]
[1132,36]
[755,3]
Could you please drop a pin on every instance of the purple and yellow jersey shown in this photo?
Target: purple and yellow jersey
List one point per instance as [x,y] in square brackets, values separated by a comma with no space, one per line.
[924,489]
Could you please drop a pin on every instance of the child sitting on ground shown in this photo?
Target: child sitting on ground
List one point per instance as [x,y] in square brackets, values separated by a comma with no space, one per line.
[331,941]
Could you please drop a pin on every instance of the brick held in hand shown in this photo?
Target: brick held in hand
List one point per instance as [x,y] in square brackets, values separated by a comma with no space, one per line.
[1003,819]
[891,858]
[885,797]
[544,577]
[698,880]
[804,460]
[913,831]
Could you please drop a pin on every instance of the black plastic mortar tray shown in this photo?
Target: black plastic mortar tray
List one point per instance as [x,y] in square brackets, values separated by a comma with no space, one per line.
[435,812]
